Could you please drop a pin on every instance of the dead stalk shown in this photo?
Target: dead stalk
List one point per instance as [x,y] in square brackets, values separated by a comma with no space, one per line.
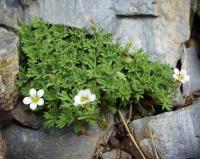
[130,113]
[130,135]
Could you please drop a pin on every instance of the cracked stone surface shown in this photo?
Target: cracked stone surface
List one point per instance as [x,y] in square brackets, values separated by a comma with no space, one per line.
[161,36]
[23,143]
[170,134]
[136,7]
[11,12]
[2,147]
[9,68]
[157,26]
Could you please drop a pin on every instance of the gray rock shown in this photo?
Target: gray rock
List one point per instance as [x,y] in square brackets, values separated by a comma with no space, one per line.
[26,3]
[114,154]
[11,12]
[178,98]
[192,65]
[136,7]
[2,147]
[6,117]
[157,26]
[23,143]
[161,36]
[8,69]
[79,13]
[26,117]
[170,135]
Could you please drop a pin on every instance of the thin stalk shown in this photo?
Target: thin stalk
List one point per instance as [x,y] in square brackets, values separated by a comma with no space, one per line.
[129,134]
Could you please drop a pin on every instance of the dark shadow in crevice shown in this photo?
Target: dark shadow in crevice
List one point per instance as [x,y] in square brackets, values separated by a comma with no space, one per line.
[14,4]
[9,28]
[194,40]
[138,16]
[195,30]
[26,3]
[179,64]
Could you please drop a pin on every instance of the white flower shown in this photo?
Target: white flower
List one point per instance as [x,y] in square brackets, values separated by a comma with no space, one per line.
[181,75]
[35,98]
[84,97]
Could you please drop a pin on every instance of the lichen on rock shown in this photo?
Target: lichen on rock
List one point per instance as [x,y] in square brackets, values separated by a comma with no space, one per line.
[8,69]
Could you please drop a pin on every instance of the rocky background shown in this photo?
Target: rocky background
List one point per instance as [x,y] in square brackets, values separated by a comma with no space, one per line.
[167,29]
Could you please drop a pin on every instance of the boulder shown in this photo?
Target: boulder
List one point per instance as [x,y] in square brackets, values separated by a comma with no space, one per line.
[78,13]
[160,30]
[8,69]
[191,63]
[11,12]
[23,143]
[169,135]
[157,26]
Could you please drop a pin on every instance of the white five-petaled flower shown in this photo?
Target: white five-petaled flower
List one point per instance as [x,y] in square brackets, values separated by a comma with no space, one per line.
[35,98]
[181,75]
[84,97]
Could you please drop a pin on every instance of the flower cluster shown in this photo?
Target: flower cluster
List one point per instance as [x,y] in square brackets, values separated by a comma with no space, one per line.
[83,97]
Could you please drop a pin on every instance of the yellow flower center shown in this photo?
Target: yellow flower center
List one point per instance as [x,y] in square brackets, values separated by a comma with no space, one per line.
[35,99]
[180,77]
[84,99]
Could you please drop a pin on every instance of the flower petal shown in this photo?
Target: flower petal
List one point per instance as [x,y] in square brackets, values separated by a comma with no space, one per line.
[77,99]
[27,100]
[187,78]
[33,106]
[32,92]
[81,92]
[175,76]
[176,71]
[183,72]
[87,92]
[84,92]
[75,104]
[40,102]
[92,97]
[40,93]
[183,81]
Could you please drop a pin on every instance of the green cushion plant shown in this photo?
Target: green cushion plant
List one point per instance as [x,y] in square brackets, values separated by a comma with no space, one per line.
[64,60]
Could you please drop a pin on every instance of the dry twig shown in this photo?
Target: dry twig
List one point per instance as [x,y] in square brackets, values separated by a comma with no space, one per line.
[130,135]
[130,113]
